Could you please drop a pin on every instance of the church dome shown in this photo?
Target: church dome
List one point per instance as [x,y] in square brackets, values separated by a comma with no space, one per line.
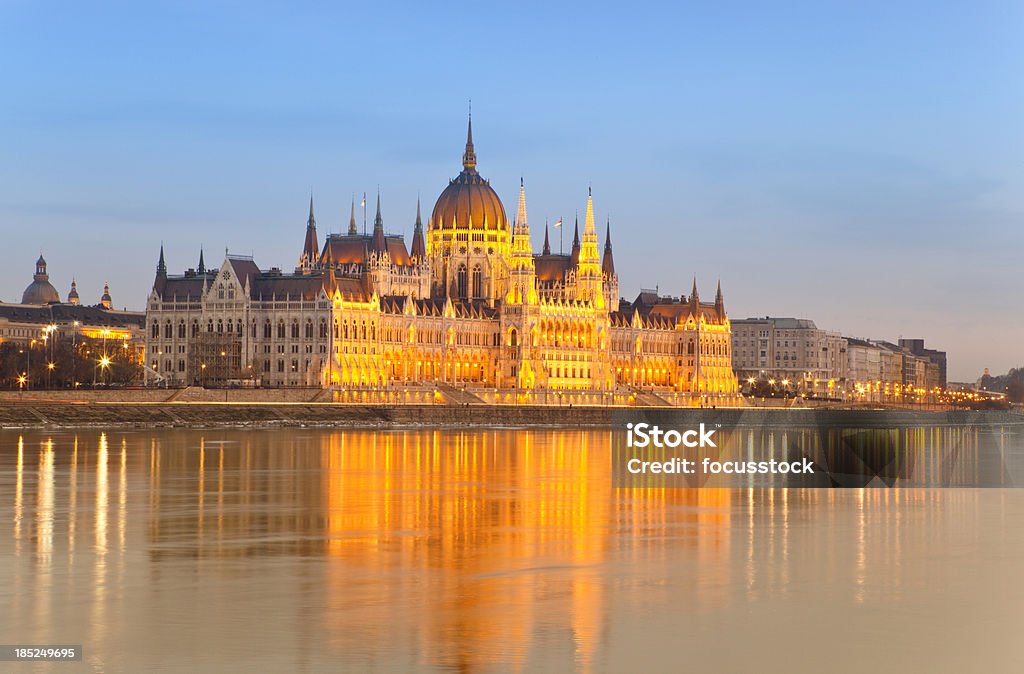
[469,202]
[40,291]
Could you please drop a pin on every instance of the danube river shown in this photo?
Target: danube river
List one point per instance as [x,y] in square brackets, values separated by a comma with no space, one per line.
[310,550]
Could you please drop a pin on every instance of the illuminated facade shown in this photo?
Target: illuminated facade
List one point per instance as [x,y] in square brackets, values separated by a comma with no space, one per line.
[468,308]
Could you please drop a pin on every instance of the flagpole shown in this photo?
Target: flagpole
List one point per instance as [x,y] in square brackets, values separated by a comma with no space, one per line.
[561,222]
[364,213]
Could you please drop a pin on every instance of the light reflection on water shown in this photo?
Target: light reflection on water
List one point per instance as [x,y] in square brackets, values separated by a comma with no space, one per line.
[483,550]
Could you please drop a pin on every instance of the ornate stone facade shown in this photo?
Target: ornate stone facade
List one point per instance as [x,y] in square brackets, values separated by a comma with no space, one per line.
[469,309]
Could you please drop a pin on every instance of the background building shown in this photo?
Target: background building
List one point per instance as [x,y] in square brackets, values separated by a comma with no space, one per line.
[810,360]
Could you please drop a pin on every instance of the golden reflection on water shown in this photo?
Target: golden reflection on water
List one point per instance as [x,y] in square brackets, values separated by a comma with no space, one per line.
[450,550]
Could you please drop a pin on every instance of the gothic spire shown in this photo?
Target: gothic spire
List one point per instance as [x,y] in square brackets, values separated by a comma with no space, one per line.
[521,222]
[161,267]
[469,157]
[720,300]
[419,250]
[608,262]
[352,231]
[694,297]
[310,248]
[547,245]
[202,265]
[575,252]
[379,244]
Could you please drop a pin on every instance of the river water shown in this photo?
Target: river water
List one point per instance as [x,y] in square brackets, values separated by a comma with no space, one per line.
[309,550]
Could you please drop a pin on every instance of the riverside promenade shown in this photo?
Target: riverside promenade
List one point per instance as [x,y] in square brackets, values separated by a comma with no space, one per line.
[150,408]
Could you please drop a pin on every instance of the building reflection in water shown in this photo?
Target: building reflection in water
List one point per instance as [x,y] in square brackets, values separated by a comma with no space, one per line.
[459,550]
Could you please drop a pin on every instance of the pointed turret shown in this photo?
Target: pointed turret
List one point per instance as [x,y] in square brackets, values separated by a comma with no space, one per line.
[379,244]
[73,295]
[720,300]
[547,244]
[575,252]
[588,250]
[694,297]
[161,266]
[469,156]
[105,300]
[352,231]
[201,269]
[607,262]
[310,248]
[419,249]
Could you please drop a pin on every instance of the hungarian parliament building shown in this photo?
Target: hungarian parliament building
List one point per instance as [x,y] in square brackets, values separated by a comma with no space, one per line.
[468,311]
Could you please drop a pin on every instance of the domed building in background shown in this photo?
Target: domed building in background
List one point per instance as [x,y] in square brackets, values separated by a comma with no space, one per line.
[40,291]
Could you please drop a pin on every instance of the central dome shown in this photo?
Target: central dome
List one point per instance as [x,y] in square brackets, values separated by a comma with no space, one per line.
[469,202]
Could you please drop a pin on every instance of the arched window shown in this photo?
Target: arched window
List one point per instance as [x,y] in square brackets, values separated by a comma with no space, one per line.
[478,281]
[267,331]
[280,329]
[309,328]
[168,331]
[461,282]
[209,325]
[295,329]
[181,330]
[155,331]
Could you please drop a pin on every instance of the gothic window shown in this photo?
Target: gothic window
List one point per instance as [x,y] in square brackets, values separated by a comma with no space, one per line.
[168,331]
[266,329]
[323,329]
[461,282]
[181,330]
[295,329]
[155,332]
[220,326]
[309,329]
[478,281]
[280,331]
[209,325]
[195,328]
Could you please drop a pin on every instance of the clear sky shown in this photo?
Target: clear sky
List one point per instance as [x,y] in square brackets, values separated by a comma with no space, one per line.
[856,163]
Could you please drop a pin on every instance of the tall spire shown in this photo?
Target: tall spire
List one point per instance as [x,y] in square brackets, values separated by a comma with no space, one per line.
[469,157]
[588,251]
[379,244]
[352,231]
[310,248]
[608,262]
[521,222]
[575,252]
[547,245]
[419,250]
[161,267]
[720,301]
[202,265]
[694,297]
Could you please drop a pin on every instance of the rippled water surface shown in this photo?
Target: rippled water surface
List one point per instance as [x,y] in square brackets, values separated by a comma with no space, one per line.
[485,550]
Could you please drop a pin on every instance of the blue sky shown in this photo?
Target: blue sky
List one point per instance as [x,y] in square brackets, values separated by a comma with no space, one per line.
[854,163]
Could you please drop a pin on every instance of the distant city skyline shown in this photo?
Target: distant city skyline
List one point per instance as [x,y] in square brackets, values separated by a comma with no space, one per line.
[858,166]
